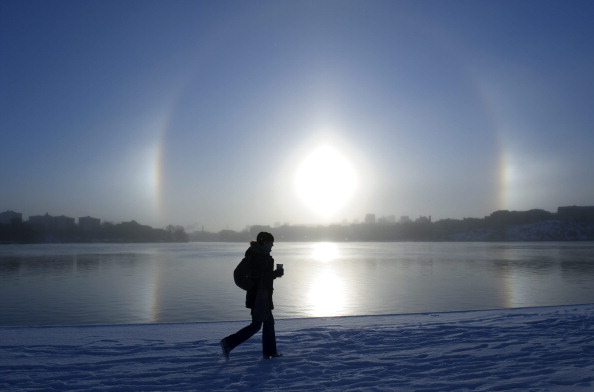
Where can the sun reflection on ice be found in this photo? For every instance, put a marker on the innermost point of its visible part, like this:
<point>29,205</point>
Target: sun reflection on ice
<point>327,294</point>
<point>325,251</point>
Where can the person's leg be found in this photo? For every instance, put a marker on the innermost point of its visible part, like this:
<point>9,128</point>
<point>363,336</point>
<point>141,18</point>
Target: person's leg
<point>243,334</point>
<point>269,337</point>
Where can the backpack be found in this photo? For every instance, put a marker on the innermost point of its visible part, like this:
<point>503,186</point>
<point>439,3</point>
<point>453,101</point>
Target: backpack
<point>243,274</point>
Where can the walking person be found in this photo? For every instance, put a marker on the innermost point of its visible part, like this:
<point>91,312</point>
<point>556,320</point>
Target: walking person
<point>258,298</point>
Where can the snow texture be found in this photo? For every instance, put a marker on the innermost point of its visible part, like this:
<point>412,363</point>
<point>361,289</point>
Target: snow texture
<point>530,349</point>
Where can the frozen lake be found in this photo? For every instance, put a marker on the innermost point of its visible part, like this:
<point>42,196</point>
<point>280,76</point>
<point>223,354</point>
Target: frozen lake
<point>152,283</point>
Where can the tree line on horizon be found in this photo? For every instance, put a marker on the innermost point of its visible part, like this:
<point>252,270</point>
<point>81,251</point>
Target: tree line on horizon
<point>20,232</point>
<point>496,223</point>
<point>422,229</point>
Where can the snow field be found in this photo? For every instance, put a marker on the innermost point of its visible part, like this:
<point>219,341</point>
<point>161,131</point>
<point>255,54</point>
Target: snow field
<point>530,349</point>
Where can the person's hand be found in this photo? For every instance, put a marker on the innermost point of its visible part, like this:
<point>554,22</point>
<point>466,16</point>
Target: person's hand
<point>278,273</point>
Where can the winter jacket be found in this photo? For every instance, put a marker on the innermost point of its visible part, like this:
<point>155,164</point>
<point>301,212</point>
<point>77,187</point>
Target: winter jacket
<point>262,266</point>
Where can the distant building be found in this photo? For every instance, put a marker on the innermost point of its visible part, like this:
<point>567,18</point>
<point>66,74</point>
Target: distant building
<point>405,219</point>
<point>50,223</point>
<point>7,217</point>
<point>88,223</point>
<point>424,219</point>
<point>370,218</point>
<point>64,223</point>
<point>42,222</point>
<point>387,219</point>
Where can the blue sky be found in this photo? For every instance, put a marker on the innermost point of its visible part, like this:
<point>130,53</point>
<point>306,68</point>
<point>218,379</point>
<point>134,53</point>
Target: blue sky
<point>203,113</point>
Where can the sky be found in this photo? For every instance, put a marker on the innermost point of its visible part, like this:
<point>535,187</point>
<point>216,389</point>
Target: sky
<point>224,114</point>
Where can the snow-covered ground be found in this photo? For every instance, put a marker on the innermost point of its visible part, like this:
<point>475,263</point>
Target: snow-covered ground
<point>530,349</point>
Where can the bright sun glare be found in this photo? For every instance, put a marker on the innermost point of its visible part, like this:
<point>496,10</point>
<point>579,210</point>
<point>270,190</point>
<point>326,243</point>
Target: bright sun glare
<point>325,180</point>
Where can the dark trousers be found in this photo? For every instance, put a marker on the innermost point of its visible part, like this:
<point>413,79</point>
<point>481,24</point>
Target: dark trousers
<point>268,335</point>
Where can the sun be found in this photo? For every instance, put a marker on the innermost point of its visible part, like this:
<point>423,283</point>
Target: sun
<point>325,180</point>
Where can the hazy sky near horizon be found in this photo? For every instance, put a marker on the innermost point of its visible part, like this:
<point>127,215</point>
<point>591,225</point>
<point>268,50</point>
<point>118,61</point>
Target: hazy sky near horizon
<point>222,114</point>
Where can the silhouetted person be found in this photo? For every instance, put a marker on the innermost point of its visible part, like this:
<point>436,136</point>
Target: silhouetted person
<point>258,298</point>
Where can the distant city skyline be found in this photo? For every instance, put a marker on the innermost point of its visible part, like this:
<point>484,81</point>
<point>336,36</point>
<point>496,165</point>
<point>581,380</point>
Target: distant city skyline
<point>222,114</point>
<point>388,218</point>
<point>569,223</point>
<point>573,212</point>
